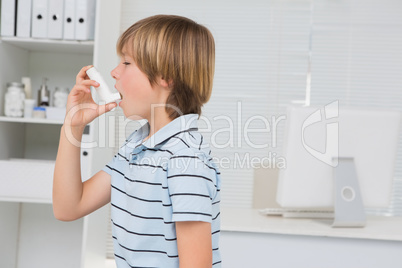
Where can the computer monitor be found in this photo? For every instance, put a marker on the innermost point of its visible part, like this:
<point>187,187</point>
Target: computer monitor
<point>317,137</point>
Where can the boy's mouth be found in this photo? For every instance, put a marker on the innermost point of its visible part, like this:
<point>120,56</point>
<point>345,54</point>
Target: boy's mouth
<point>121,96</point>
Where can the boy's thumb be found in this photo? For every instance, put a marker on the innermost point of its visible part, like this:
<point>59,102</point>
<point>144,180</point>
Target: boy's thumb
<point>106,108</point>
<point>111,106</point>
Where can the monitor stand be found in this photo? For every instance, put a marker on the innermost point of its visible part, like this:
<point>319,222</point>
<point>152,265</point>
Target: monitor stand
<point>348,205</point>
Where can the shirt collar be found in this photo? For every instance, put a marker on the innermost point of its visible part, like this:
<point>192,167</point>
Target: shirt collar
<point>180,124</point>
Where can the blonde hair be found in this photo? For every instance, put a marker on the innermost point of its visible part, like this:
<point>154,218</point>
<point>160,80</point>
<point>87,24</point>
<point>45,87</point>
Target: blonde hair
<point>178,49</point>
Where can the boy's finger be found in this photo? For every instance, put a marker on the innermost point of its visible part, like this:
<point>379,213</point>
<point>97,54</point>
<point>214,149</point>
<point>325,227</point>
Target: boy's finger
<point>90,83</point>
<point>82,73</point>
<point>106,108</point>
<point>78,88</point>
<point>111,106</point>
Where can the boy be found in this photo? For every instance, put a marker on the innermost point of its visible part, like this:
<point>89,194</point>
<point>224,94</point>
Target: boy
<point>163,186</point>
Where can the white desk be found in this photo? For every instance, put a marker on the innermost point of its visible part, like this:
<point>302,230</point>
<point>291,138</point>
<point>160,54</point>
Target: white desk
<point>251,240</point>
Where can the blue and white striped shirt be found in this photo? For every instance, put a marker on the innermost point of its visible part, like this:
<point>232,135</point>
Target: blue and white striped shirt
<point>170,177</point>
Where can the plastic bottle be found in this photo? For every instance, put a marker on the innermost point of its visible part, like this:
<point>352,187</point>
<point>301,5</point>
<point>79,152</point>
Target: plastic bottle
<point>60,97</point>
<point>27,87</point>
<point>14,100</point>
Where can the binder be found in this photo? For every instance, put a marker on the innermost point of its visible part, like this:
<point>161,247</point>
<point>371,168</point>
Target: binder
<point>24,12</point>
<point>55,19</point>
<point>85,20</point>
<point>69,20</point>
<point>39,18</point>
<point>8,17</point>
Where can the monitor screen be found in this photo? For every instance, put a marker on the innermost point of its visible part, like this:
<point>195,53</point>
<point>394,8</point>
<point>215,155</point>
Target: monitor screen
<point>314,139</point>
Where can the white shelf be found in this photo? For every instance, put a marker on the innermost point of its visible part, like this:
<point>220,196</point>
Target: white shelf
<point>25,180</point>
<point>49,45</point>
<point>31,120</point>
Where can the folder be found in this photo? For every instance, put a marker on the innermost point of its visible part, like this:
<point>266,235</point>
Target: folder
<point>8,17</point>
<point>39,18</point>
<point>55,19</point>
<point>69,20</point>
<point>85,20</point>
<point>24,12</point>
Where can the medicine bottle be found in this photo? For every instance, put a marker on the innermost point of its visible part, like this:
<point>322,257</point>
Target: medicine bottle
<point>14,100</point>
<point>60,97</point>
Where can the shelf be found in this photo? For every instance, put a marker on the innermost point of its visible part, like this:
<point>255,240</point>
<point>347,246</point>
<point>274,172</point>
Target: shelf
<point>49,45</point>
<point>31,120</point>
<point>25,180</point>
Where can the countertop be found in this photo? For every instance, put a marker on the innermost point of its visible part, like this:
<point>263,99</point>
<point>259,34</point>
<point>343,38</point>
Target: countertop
<point>250,220</point>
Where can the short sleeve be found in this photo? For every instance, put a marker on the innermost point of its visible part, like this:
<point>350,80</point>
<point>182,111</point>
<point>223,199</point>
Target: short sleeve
<point>192,187</point>
<point>109,167</point>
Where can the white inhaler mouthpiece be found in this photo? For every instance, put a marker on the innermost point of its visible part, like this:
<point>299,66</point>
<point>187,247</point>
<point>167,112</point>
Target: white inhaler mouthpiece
<point>103,90</point>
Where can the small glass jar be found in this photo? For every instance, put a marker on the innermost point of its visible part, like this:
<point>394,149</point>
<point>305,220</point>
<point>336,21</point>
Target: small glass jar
<point>60,97</point>
<point>14,100</point>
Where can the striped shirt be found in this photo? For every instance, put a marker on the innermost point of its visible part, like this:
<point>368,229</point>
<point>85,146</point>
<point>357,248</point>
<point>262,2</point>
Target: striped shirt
<point>168,178</point>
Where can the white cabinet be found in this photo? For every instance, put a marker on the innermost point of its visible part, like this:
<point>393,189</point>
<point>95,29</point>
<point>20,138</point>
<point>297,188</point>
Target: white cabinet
<point>30,236</point>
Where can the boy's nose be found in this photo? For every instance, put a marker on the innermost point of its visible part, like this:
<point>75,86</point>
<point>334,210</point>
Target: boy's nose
<point>114,73</point>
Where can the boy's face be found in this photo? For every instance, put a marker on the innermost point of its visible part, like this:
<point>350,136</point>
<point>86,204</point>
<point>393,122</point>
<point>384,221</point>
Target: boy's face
<point>135,88</point>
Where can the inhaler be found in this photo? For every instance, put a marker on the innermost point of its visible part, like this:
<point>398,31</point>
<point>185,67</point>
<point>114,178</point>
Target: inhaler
<point>103,90</point>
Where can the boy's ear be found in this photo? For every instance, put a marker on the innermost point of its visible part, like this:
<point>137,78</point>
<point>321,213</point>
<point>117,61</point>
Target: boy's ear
<point>166,83</point>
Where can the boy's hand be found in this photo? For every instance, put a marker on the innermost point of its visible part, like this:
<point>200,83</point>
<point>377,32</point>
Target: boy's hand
<point>81,108</point>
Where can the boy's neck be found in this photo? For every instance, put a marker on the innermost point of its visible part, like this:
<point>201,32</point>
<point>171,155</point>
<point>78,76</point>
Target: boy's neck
<point>159,120</point>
